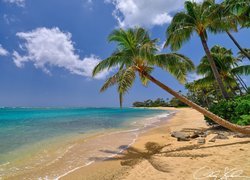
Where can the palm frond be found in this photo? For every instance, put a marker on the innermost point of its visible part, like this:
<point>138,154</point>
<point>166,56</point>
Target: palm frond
<point>242,70</point>
<point>114,60</point>
<point>125,82</point>
<point>180,30</point>
<point>111,81</point>
<point>176,64</point>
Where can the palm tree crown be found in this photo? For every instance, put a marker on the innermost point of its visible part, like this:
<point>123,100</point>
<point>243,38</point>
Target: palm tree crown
<point>240,9</point>
<point>136,52</point>
<point>196,18</point>
<point>228,68</point>
<point>225,63</point>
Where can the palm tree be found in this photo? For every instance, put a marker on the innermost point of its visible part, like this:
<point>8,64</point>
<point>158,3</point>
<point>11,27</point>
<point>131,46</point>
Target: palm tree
<point>234,13</point>
<point>202,94</point>
<point>198,18</point>
<point>135,54</point>
<point>227,66</point>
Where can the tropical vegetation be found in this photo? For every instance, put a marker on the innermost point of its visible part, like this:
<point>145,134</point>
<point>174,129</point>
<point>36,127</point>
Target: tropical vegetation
<point>160,102</point>
<point>236,110</point>
<point>136,55</point>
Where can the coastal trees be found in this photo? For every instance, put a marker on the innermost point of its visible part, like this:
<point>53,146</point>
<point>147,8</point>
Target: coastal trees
<point>228,68</point>
<point>136,54</point>
<point>225,63</point>
<point>160,102</point>
<point>203,94</point>
<point>198,18</point>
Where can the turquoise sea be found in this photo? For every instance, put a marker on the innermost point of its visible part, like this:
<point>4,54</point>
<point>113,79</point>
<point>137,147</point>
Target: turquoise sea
<point>29,133</point>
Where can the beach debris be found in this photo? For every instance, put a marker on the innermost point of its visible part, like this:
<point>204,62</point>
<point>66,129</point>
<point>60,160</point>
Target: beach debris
<point>239,135</point>
<point>212,140</point>
<point>201,141</point>
<point>181,136</point>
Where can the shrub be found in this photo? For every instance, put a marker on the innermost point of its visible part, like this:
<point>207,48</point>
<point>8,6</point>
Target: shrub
<point>236,110</point>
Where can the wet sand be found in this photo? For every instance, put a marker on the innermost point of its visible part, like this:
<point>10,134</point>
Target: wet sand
<point>156,155</point>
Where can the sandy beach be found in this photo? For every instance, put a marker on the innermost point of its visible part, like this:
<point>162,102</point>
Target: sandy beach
<point>157,155</point>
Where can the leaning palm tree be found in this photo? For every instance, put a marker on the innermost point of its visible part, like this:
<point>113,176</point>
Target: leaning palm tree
<point>136,54</point>
<point>197,18</point>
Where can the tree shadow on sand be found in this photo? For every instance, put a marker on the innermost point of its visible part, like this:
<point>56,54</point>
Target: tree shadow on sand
<point>132,156</point>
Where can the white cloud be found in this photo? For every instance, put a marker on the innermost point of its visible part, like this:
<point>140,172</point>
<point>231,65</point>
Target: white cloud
<point>3,52</point>
<point>193,76</point>
<point>47,48</point>
<point>20,3</point>
<point>147,13</point>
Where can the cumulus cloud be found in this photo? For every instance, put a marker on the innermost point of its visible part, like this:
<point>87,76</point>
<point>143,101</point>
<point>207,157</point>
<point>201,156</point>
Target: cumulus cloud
<point>3,52</point>
<point>20,3</point>
<point>47,48</point>
<point>147,13</point>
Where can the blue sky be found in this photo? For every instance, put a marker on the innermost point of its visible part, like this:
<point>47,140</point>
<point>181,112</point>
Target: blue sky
<point>49,47</point>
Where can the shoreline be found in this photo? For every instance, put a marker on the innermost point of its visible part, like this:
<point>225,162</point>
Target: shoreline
<point>165,121</point>
<point>168,118</point>
<point>78,173</point>
<point>137,163</point>
<point>81,150</point>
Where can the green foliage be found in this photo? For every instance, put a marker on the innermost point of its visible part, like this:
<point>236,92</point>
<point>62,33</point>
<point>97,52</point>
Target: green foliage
<point>174,102</point>
<point>235,110</point>
<point>240,9</point>
<point>150,103</point>
<point>203,94</point>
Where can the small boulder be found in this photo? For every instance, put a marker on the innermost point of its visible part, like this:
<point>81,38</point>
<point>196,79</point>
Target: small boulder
<point>180,136</point>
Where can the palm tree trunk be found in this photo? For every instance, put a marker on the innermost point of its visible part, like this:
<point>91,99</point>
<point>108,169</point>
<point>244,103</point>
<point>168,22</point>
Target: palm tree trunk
<point>238,45</point>
<point>215,118</point>
<point>241,82</point>
<point>205,97</point>
<point>238,83</point>
<point>214,68</point>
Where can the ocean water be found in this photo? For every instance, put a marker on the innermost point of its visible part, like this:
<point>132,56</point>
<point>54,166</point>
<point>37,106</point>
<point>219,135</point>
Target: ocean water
<point>32,137</point>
